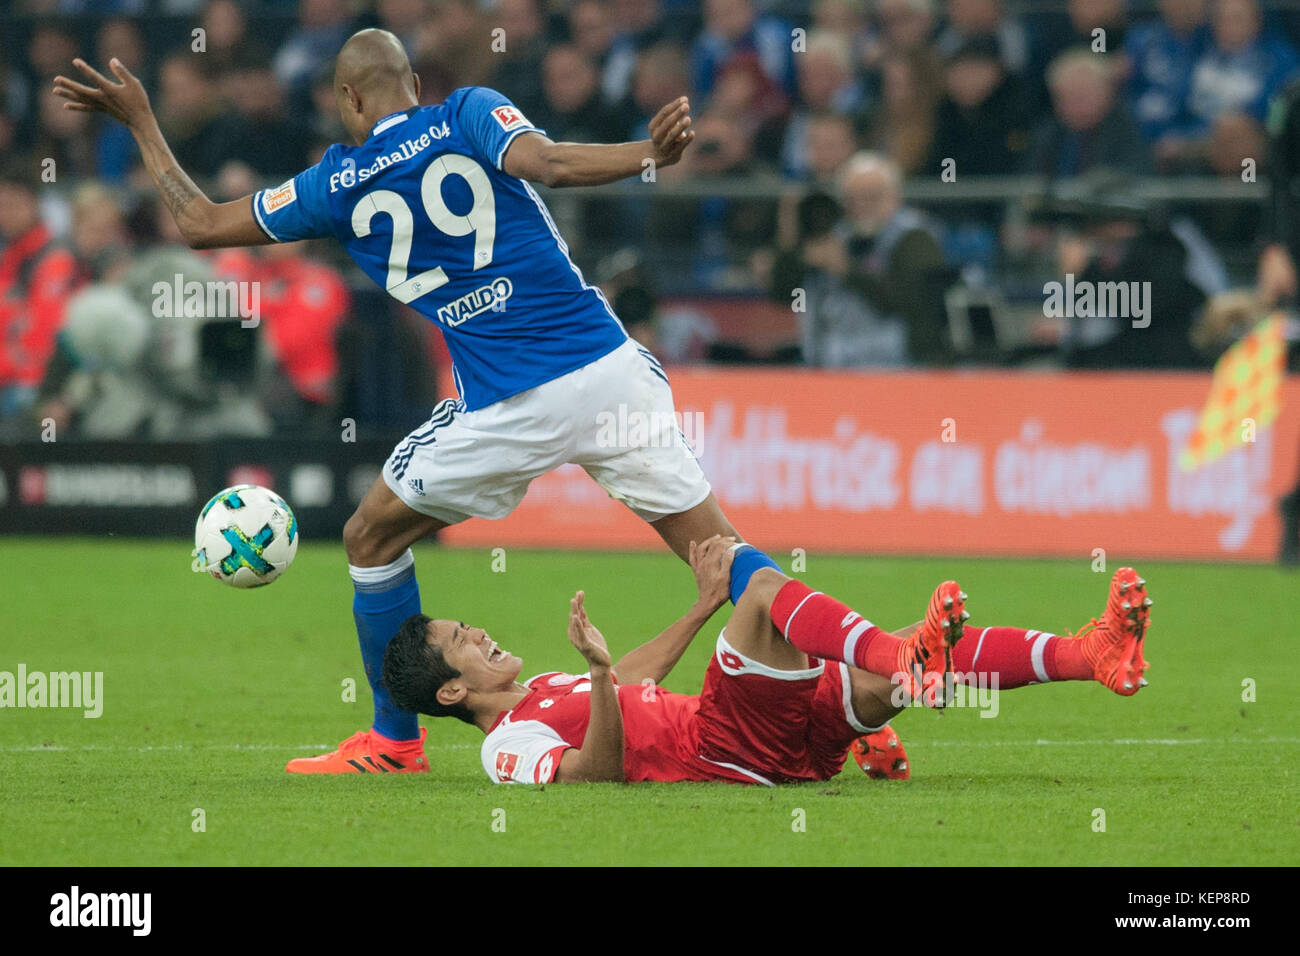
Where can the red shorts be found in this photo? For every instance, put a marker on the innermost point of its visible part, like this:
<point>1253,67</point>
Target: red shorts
<point>762,725</point>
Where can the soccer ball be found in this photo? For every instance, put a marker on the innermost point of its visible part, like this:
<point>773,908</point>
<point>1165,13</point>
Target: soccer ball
<point>246,536</point>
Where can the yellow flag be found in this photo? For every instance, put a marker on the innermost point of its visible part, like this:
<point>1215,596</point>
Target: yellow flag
<point>1245,395</point>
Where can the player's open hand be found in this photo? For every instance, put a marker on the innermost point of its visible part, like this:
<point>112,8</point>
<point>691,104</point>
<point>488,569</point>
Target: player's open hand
<point>126,100</point>
<point>670,131</point>
<point>711,562</point>
<point>584,636</point>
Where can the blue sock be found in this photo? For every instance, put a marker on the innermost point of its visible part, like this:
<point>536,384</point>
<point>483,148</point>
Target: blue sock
<point>748,560</point>
<point>385,597</point>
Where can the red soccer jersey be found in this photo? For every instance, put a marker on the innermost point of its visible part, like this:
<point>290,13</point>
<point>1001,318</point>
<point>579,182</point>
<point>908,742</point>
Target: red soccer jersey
<point>751,723</point>
<point>526,742</point>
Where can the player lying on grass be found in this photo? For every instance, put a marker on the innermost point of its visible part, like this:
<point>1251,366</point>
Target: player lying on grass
<point>796,678</point>
<point>434,203</point>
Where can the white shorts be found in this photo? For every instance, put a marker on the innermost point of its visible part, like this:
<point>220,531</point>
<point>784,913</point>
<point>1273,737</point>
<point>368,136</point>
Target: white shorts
<point>614,417</point>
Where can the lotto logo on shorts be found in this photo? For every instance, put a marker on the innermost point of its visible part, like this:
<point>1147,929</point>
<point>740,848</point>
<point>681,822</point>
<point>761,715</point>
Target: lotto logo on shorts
<point>509,117</point>
<point>506,765</point>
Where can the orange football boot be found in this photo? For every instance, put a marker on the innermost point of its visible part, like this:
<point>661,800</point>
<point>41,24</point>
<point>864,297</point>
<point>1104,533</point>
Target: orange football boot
<point>367,752</point>
<point>1113,645</point>
<point>881,756</point>
<point>926,656</point>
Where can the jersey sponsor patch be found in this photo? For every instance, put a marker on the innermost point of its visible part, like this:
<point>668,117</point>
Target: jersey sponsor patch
<point>507,763</point>
<point>509,118</point>
<point>273,199</point>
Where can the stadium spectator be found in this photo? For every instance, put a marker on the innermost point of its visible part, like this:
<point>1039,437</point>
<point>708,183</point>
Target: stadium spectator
<point>36,277</point>
<point>114,149</point>
<point>572,108</point>
<point>1242,70</point>
<point>451,51</point>
<point>128,366</point>
<point>225,33</point>
<point>868,276</point>
<point>716,235</point>
<point>1152,262</point>
<point>829,143</point>
<point>638,26</point>
<point>591,29</point>
<point>99,236</point>
<point>744,93</point>
<point>1081,23</point>
<point>64,137</point>
<point>200,132</point>
<point>573,111</point>
<point>827,84</point>
<point>967,19</point>
<point>1235,139</point>
<point>302,304</point>
<point>981,124</point>
<point>517,69</point>
<point>1276,271</point>
<point>15,99</point>
<point>1237,142</point>
<point>905,27</point>
<point>322,27</point>
<point>122,38</point>
<point>902,123</point>
<point>405,19</point>
<point>267,136</point>
<point>733,27</point>
<point>661,74</point>
<point>1090,127</point>
<point>1089,16</point>
<point>847,19</point>
<point>326,127</point>
<point>51,46</point>
<point>1161,55</point>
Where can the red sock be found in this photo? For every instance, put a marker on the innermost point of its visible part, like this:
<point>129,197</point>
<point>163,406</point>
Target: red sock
<point>1019,657</point>
<point>821,626</point>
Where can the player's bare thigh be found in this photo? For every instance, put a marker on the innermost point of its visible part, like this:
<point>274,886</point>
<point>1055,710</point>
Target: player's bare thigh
<point>382,527</point>
<point>696,524</point>
<point>751,632</point>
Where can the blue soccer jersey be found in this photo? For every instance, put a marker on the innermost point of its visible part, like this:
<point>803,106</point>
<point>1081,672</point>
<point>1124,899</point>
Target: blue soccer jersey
<point>426,210</point>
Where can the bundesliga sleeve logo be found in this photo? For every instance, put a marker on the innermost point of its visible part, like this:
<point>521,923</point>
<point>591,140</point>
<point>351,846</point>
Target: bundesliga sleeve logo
<point>509,117</point>
<point>506,765</point>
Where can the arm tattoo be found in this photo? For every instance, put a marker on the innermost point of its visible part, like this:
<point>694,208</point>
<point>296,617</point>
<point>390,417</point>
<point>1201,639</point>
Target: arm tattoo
<point>178,191</point>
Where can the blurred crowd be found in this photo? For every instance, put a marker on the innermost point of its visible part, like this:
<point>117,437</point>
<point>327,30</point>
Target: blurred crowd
<point>812,118</point>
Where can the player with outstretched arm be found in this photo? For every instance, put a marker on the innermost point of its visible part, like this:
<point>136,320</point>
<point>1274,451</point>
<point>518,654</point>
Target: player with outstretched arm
<point>435,204</point>
<point>796,677</point>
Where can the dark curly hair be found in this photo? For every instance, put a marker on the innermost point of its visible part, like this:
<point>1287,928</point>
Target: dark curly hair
<point>414,670</point>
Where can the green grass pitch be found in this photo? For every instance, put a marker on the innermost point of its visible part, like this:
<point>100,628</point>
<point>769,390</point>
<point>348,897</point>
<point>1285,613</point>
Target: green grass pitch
<point>208,691</point>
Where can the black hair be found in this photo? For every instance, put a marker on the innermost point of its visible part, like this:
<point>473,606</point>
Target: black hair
<point>415,670</point>
<point>21,172</point>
